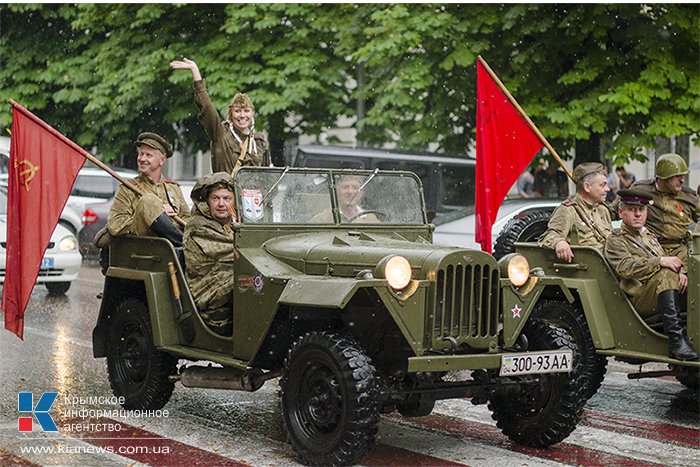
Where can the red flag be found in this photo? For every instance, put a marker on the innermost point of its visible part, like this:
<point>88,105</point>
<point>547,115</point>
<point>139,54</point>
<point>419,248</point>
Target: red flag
<point>505,145</point>
<point>43,168</point>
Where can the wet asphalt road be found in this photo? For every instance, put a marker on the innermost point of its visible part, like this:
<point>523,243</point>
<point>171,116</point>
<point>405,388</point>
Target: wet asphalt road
<point>642,422</point>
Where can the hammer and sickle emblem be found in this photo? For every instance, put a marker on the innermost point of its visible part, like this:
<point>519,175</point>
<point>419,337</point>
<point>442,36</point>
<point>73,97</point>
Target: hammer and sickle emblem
<point>486,112</point>
<point>27,173</point>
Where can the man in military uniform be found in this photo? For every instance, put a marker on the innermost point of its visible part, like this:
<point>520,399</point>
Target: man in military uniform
<point>675,207</point>
<point>152,213</point>
<point>234,142</point>
<point>209,251</point>
<point>652,279</point>
<point>349,196</point>
<point>582,220</point>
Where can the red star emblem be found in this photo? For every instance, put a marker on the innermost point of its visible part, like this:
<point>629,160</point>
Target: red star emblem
<point>516,311</point>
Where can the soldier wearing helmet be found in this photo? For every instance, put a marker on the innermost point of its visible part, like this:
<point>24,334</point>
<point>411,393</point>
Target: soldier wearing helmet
<point>674,206</point>
<point>209,251</point>
<point>234,142</point>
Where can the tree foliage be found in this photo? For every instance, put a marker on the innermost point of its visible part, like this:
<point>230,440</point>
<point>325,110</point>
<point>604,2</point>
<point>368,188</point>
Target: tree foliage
<point>625,73</point>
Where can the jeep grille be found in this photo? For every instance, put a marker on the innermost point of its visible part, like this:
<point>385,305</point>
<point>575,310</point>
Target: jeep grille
<point>466,302</point>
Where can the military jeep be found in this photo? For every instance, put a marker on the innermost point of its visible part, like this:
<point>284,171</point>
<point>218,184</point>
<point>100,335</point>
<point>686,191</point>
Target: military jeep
<point>584,298</point>
<point>358,316</point>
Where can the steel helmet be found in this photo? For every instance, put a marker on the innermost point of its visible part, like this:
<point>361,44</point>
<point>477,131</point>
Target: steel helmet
<point>670,165</point>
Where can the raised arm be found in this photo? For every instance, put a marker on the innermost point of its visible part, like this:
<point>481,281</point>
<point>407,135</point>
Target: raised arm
<point>208,115</point>
<point>187,64</point>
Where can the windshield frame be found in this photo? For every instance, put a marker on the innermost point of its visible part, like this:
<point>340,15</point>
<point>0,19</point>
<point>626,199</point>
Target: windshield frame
<point>332,175</point>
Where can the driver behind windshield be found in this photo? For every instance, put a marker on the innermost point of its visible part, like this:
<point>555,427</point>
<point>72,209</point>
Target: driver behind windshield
<point>349,195</point>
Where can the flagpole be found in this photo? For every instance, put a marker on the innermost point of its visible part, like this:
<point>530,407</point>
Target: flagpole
<point>84,153</point>
<point>525,117</point>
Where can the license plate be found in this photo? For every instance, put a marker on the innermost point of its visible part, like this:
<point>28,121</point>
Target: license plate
<point>47,263</point>
<point>554,361</point>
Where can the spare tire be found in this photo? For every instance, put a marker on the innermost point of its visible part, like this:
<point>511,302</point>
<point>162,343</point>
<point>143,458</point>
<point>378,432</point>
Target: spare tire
<point>525,227</point>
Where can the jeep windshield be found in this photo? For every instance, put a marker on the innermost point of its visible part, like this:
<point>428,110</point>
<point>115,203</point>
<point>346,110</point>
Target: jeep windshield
<point>303,196</point>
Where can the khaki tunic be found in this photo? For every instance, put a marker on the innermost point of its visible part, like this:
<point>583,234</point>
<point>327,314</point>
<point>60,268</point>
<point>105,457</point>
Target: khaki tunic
<point>209,258</point>
<point>566,224</point>
<point>670,217</point>
<point>225,149</point>
<point>636,258</point>
<point>131,214</point>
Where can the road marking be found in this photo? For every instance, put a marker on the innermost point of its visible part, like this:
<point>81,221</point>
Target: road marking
<point>490,435</point>
<point>643,428</point>
<point>146,447</point>
<point>7,458</point>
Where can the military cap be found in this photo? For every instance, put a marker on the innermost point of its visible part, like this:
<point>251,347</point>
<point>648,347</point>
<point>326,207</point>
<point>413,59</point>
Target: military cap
<point>634,196</point>
<point>241,101</point>
<point>587,168</point>
<point>156,142</point>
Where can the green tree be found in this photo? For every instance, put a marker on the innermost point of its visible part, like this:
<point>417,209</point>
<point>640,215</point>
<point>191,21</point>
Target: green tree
<point>621,75</point>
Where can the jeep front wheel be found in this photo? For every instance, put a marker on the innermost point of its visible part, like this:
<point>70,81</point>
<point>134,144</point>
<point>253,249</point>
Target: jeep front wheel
<point>550,405</point>
<point>589,364</point>
<point>137,371</point>
<point>330,399</point>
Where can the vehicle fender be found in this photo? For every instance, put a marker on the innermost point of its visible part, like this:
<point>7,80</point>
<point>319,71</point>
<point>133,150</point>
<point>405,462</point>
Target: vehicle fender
<point>154,287</point>
<point>336,292</point>
<point>323,291</point>
<point>518,304</point>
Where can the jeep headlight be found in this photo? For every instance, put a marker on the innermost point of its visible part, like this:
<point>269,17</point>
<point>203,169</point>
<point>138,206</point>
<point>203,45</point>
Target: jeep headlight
<point>67,244</point>
<point>396,270</point>
<point>516,267</point>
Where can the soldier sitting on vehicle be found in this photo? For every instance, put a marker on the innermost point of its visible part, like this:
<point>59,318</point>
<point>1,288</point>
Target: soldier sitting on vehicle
<point>162,200</point>
<point>209,251</point>
<point>675,207</point>
<point>582,220</point>
<point>653,281</point>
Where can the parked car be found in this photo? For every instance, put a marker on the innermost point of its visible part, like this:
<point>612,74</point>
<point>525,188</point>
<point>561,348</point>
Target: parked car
<point>358,316</point>
<point>61,262</point>
<point>95,218</point>
<point>534,214</point>
<point>4,154</point>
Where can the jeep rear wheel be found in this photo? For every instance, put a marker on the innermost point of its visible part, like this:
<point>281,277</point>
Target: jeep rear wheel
<point>589,364</point>
<point>550,405</point>
<point>330,399</point>
<point>521,228</point>
<point>137,371</point>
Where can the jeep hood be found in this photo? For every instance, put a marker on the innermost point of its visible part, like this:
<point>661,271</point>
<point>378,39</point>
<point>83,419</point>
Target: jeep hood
<point>347,253</point>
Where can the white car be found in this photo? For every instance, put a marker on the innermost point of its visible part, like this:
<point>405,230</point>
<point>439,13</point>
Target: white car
<point>94,185</point>
<point>61,262</point>
<point>460,231</point>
